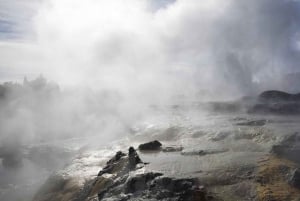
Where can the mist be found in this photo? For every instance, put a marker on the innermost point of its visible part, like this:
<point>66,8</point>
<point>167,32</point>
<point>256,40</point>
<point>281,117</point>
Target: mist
<point>108,61</point>
<point>85,69</point>
<point>162,47</point>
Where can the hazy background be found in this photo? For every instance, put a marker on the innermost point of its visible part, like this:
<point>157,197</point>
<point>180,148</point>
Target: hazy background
<point>158,46</point>
<point>91,68</point>
<point>104,62</point>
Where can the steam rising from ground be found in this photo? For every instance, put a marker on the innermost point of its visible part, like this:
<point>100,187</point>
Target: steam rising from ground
<point>160,48</point>
<point>113,58</point>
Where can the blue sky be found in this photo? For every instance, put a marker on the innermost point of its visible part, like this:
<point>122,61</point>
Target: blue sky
<point>15,17</point>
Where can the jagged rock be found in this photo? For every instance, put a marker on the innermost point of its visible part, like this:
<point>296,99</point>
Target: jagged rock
<point>150,146</point>
<point>113,164</point>
<point>131,184</point>
<point>133,158</point>
<point>140,182</point>
<point>116,158</point>
<point>181,189</point>
<point>295,178</point>
<point>125,182</point>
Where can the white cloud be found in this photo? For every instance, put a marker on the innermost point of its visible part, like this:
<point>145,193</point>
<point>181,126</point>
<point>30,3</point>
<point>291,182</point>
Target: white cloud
<point>180,47</point>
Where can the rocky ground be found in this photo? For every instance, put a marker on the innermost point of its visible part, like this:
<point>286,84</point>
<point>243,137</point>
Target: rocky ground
<point>246,158</point>
<point>181,154</point>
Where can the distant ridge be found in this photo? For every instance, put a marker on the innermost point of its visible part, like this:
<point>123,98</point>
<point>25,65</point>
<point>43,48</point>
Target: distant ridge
<point>274,95</point>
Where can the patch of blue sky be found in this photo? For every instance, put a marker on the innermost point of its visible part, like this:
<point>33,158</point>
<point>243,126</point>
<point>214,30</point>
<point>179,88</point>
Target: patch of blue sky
<point>7,30</point>
<point>159,4</point>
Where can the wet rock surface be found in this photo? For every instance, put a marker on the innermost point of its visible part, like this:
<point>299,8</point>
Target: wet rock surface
<point>278,175</point>
<point>294,179</point>
<point>288,148</point>
<point>112,164</point>
<point>118,180</point>
<point>215,160</point>
<point>135,185</point>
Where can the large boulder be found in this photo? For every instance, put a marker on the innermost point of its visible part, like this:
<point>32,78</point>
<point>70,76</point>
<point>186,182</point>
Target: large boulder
<point>150,146</point>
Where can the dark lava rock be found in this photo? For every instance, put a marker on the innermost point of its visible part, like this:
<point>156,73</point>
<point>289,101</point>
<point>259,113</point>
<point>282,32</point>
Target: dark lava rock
<point>140,182</point>
<point>131,185</point>
<point>116,158</point>
<point>125,183</point>
<point>295,178</point>
<point>133,158</point>
<point>112,164</point>
<point>153,186</point>
<point>150,146</point>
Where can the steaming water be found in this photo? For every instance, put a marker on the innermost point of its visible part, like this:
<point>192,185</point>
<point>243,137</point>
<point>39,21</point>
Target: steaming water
<point>226,144</point>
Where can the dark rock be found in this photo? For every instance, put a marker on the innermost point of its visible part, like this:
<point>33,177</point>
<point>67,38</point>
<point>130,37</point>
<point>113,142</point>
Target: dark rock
<point>131,185</point>
<point>150,146</point>
<point>133,158</point>
<point>116,158</point>
<point>113,164</point>
<point>295,178</point>
<point>140,182</point>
